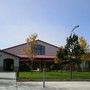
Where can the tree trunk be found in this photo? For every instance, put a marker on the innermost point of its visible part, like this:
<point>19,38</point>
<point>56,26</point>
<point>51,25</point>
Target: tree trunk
<point>71,69</point>
<point>78,67</point>
<point>31,65</point>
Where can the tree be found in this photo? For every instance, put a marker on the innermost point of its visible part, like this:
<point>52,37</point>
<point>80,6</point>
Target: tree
<point>85,47</point>
<point>74,51</point>
<point>58,58</point>
<point>30,47</point>
<point>83,44</point>
<point>61,57</point>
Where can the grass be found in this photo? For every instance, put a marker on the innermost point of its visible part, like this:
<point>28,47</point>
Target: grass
<point>54,75</point>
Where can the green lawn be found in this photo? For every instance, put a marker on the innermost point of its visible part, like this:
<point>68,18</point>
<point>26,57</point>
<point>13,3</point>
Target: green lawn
<point>54,75</point>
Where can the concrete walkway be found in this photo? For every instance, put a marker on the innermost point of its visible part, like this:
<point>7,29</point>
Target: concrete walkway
<point>49,86</point>
<point>69,85</point>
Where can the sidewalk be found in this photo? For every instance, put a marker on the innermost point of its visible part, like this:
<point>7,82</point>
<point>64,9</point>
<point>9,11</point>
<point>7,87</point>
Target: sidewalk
<point>63,85</point>
<point>58,85</point>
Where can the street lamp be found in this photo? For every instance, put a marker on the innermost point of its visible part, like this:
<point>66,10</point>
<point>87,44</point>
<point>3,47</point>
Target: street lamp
<point>44,75</point>
<point>74,29</point>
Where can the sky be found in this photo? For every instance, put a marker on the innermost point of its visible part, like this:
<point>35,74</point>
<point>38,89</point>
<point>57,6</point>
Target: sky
<point>52,20</point>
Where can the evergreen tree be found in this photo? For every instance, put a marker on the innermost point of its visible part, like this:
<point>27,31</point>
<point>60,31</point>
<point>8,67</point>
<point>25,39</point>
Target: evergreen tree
<point>71,53</point>
<point>74,51</point>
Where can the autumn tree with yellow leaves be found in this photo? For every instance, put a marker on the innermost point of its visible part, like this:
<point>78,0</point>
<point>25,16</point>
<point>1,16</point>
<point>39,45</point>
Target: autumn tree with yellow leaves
<point>30,51</point>
<point>85,47</point>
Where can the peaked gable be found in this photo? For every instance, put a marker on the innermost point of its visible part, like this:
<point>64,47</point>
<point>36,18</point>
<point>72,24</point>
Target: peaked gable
<point>18,49</point>
<point>7,53</point>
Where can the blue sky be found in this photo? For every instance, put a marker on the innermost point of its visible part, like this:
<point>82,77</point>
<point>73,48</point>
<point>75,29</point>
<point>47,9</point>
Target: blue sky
<point>53,20</point>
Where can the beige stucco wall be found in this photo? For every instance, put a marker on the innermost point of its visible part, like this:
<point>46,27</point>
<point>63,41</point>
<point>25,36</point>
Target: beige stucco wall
<point>49,49</point>
<point>18,50</point>
<point>8,56</point>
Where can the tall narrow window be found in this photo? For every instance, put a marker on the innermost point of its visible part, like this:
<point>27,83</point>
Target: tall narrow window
<point>40,49</point>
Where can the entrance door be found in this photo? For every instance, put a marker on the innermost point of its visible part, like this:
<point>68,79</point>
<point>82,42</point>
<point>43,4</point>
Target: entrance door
<point>8,65</point>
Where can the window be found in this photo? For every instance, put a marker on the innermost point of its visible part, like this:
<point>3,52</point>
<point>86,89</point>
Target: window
<point>40,49</point>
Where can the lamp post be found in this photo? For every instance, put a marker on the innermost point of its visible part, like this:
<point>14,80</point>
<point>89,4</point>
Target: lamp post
<point>75,27</point>
<point>44,75</point>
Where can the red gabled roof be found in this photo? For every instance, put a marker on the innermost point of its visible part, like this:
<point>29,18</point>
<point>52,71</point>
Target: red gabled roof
<point>44,56</point>
<point>38,56</point>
